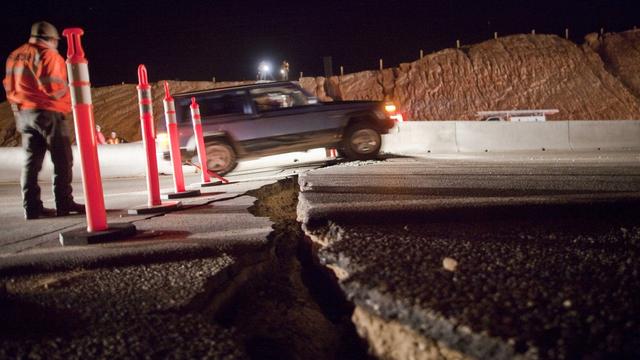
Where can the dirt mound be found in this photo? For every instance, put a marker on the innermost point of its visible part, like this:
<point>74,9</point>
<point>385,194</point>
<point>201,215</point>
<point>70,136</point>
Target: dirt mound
<point>621,55</point>
<point>513,72</point>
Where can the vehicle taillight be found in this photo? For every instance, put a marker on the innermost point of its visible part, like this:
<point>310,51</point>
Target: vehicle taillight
<point>393,112</point>
<point>390,107</point>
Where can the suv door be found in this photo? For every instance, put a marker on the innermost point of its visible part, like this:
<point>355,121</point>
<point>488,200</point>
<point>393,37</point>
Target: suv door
<point>287,121</point>
<point>220,112</point>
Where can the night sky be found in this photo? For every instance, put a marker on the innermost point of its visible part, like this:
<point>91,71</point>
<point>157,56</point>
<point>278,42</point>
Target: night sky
<point>197,40</point>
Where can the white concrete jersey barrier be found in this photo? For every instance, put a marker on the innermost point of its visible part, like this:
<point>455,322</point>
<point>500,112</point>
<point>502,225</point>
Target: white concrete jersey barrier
<point>122,160</point>
<point>129,160</point>
<point>601,135</point>
<point>420,137</point>
<point>412,137</point>
<point>479,136</point>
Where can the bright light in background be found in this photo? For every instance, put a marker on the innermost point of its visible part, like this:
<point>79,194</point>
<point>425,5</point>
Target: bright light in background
<point>264,71</point>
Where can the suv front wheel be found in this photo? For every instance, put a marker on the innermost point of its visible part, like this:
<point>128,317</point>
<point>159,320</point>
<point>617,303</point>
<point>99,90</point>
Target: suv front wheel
<point>221,158</point>
<point>361,142</point>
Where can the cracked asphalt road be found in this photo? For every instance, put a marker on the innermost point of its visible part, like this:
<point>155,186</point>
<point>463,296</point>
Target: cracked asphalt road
<point>151,296</point>
<point>458,253</point>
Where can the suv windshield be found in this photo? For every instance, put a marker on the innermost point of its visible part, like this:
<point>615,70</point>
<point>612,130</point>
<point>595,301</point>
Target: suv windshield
<point>280,97</point>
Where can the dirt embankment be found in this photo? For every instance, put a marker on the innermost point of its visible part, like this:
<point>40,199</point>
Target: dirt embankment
<point>598,80</point>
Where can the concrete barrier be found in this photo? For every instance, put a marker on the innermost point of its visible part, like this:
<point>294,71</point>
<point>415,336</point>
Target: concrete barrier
<point>421,137</point>
<point>601,135</point>
<point>11,160</point>
<point>127,160</point>
<point>121,160</point>
<point>412,137</point>
<point>476,136</point>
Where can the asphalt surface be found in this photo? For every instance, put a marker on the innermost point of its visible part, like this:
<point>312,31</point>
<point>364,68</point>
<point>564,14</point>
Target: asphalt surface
<point>494,257</point>
<point>35,244</point>
<point>546,250</point>
<point>141,311</point>
<point>150,296</point>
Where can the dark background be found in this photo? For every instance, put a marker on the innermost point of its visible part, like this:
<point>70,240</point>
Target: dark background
<point>197,40</point>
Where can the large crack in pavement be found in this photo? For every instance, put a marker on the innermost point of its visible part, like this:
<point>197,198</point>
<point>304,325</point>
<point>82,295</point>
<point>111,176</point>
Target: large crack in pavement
<point>146,303</point>
<point>271,301</point>
<point>296,312</point>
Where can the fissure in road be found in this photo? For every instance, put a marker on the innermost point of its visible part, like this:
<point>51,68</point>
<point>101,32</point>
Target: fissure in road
<point>296,311</point>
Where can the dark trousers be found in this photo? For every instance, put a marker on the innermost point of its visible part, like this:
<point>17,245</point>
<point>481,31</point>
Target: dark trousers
<point>44,130</point>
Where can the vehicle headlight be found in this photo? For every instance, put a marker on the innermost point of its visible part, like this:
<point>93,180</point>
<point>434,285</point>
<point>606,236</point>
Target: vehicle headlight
<point>162,141</point>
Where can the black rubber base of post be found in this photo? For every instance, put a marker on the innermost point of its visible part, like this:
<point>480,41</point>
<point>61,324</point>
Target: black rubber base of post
<point>164,207</point>
<point>83,237</point>
<point>212,183</point>
<point>180,195</point>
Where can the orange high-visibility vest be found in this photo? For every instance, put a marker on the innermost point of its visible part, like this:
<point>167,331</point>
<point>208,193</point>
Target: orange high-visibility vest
<point>36,78</point>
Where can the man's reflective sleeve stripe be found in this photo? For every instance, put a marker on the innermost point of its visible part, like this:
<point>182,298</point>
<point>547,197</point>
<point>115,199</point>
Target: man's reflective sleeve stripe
<point>52,80</point>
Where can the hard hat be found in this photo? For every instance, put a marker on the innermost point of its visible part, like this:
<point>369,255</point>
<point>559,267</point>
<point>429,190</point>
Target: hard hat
<point>43,29</point>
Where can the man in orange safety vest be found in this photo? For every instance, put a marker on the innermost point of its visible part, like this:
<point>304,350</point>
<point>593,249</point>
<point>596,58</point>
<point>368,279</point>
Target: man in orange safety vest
<point>36,87</point>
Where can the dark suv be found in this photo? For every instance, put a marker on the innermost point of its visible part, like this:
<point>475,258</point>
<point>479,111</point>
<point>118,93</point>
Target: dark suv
<point>262,119</point>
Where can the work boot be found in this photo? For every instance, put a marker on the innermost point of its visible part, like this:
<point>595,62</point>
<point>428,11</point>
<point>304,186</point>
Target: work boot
<point>43,212</point>
<point>72,207</point>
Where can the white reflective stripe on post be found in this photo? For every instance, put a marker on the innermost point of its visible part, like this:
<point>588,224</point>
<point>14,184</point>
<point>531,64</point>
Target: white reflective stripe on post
<point>81,95</point>
<point>79,84</point>
<point>78,72</point>
<point>170,111</point>
<point>195,115</point>
<point>146,109</point>
<point>144,93</point>
<point>145,106</point>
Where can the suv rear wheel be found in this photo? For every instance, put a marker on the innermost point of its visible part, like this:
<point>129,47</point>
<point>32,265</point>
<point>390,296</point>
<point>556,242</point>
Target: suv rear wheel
<point>361,142</point>
<point>221,158</point>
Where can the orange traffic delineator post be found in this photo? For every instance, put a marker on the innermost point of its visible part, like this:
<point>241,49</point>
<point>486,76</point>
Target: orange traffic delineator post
<point>97,228</point>
<point>202,151</point>
<point>145,101</point>
<point>174,149</point>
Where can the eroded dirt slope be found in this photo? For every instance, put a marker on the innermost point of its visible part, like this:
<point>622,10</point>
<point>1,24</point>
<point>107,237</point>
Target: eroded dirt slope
<point>621,54</point>
<point>513,72</point>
